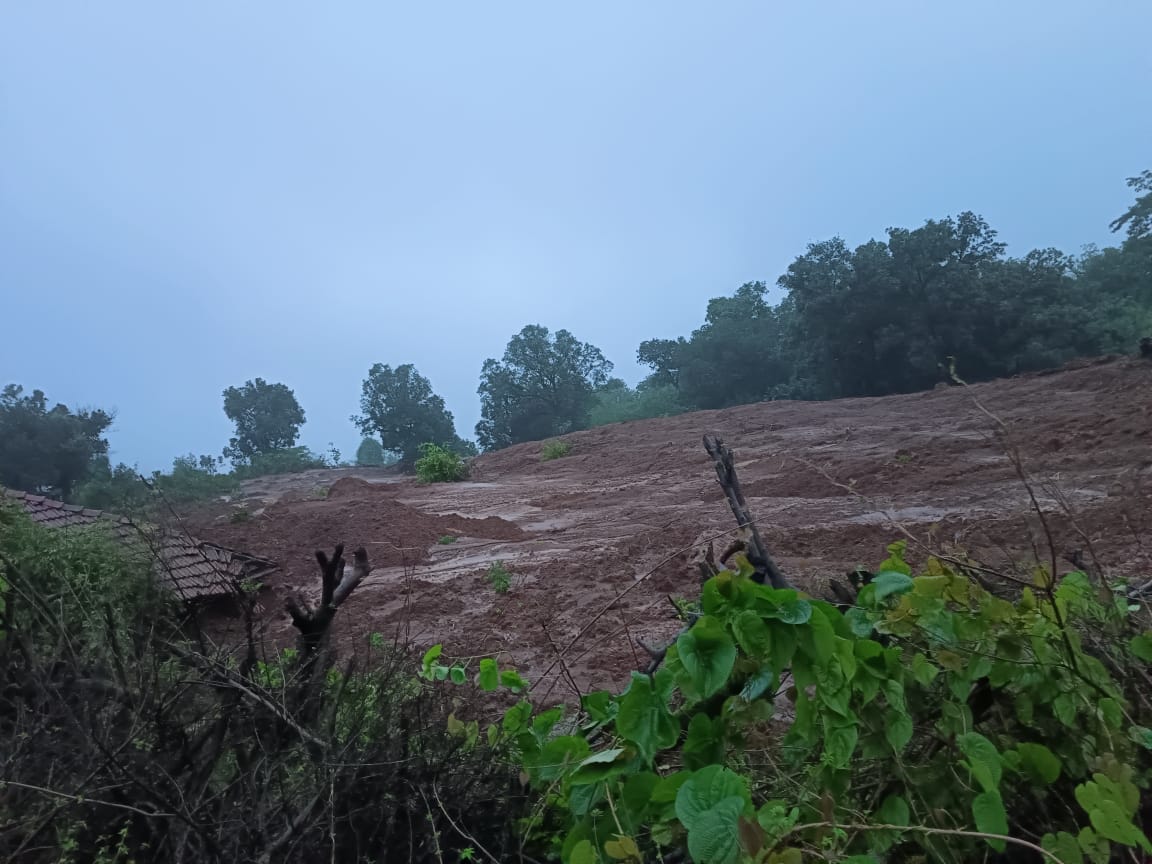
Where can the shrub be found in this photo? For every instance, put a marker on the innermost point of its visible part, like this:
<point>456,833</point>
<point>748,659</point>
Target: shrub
<point>370,452</point>
<point>290,460</point>
<point>112,722</point>
<point>930,720</point>
<point>554,450</point>
<point>446,540</point>
<point>439,465</point>
<point>499,578</point>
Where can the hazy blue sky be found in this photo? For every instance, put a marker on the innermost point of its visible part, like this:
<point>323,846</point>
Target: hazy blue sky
<point>193,194</point>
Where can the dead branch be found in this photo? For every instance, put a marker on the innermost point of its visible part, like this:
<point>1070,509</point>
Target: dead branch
<point>758,556</point>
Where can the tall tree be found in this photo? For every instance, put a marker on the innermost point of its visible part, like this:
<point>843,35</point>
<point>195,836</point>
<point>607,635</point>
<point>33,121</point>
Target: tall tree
<point>370,452</point>
<point>398,407</point>
<point>543,386</point>
<point>267,417</point>
<point>47,449</point>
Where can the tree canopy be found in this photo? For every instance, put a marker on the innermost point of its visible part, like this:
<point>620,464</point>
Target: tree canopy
<point>544,386</point>
<point>399,407</point>
<point>892,315</point>
<point>47,449</point>
<point>370,452</point>
<point>267,418</point>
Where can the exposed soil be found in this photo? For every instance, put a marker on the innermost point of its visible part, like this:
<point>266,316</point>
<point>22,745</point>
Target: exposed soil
<point>828,482</point>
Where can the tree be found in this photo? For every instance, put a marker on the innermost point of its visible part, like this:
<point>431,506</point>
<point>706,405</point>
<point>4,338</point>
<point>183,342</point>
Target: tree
<point>47,450</point>
<point>1138,218</point>
<point>370,452</point>
<point>544,386</point>
<point>398,406</point>
<point>267,418</point>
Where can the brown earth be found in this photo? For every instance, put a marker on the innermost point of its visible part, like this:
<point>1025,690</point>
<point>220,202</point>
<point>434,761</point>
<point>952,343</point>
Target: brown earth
<point>830,483</point>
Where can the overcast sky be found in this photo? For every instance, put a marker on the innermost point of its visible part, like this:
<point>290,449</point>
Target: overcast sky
<point>194,194</point>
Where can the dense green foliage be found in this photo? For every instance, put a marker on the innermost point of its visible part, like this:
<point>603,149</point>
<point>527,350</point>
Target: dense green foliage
<point>544,386</point>
<point>47,448</point>
<point>616,402</point>
<point>439,465</point>
<point>933,719</point>
<point>891,315</point>
<point>554,450</point>
<point>399,407</point>
<point>267,418</point>
<point>370,452</point>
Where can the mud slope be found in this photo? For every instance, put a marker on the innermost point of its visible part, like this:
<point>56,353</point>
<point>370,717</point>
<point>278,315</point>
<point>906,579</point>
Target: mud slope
<point>826,480</point>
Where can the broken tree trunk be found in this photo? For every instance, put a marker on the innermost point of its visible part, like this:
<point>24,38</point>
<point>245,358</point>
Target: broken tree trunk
<point>758,555</point>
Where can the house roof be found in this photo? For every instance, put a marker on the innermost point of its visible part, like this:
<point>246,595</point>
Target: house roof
<point>192,568</point>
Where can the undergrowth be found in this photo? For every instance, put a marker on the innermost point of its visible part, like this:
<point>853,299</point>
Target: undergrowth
<point>439,465</point>
<point>555,450</point>
<point>932,720</point>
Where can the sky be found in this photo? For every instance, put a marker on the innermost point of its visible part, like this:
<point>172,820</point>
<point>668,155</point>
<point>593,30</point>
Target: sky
<point>196,194</point>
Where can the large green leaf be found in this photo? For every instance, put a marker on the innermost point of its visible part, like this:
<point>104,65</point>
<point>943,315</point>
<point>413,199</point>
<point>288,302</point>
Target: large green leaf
<point>891,582</point>
<point>818,639</point>
<point>840,744</point>
<point>489,676</point>
<point>715,837</point>
<point>704,744</point>
<point>1064,846</point>
<point>983,759</point>
<point>758,684</point>
<point>1039,763</point>
<point>898,731</point>
<point>600,766</point>
<point>1141,646</point>
<point>894,811</point>
<point>557,756</point>
<point>707,653</point>
<point>988,811</point>
<point>706,789</point>
<point>752,634</point>
<point>794,611</point>
<point>644,718</point>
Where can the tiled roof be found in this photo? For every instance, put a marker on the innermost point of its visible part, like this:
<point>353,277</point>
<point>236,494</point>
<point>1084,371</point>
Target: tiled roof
<point>191,568</point>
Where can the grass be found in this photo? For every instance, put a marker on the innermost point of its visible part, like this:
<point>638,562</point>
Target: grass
<point>554,450</point>
<point>446,540</point>
<point>499,578</point>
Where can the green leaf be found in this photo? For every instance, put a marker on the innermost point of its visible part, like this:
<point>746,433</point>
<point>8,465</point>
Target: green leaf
<point>636,797</point>
<point>794,611</point>
<point>511,679</point>
<point>558,755</point>
<point>988,811</point>
<point>783,645</point>
<point>622,848</point>
<point>891,582</point>
<point>430,657</point>
<point>898,731</point>
<point>859,622</point>
<point>600,766</point>
<point>457,674</point>
<point>1039,763</point>
<point>752,634</point>
<point>714,838</point>
<point>1111,711</point>
<point>705,742</point>
<point>894,811</point>
<point>1141,646</point>
<point>543,722</point>
<point>1064,846</point>
<point>706,789</point>
<point>489,676</point>
<point>644,718</point>
<point>923,671</point>
<point>839,744</point>
<point>758,684</point>
<point>708,654</point>
<point>599,705</point>
<point>818,639</point>
<point>440,673</point>
<point>583,853</point>
<point>983,759</point>
<point>895,560</point>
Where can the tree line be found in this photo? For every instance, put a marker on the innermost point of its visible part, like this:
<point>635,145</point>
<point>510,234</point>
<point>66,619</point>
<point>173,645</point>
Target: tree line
<point>890,316</point>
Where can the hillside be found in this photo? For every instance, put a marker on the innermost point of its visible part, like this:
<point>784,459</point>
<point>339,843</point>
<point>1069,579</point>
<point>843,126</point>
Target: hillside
<point>631,499</point>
